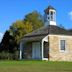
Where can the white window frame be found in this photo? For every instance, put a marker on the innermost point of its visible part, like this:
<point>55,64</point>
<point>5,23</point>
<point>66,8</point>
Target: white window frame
<point>60,45</point>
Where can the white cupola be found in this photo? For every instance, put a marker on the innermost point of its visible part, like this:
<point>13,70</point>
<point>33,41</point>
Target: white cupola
<point>50,16</point>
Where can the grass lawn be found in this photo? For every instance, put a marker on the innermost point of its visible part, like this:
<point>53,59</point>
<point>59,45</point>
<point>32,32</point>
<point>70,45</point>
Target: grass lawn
<point>35,66</point>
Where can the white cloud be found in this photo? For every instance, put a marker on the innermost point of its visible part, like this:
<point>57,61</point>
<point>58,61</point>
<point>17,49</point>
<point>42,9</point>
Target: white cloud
<point>1,35</point>
<point>70,14</point>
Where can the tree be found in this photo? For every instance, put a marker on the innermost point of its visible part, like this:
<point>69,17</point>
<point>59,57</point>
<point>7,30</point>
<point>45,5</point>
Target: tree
<point>8,47</point>
<point>35,18</point>
<point>8,43</point>
<point>5,41</point>
<point>20,28</point>
<point>31,22</point>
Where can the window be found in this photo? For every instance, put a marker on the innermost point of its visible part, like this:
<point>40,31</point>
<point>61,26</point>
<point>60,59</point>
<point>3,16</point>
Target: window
<point>62,45</point>
<point>51,18</point>
<point>48,18</point>
<point>51,13</point>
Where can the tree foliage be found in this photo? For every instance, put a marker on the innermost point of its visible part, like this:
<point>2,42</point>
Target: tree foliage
<point>8,43</point>
<point>20,28</point>
<point>32,21</point>
<point>12,37</point>
<point>35,18</point>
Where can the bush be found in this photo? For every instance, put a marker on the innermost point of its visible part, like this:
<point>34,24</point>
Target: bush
<point>9,56</point>
<point>16,55</point>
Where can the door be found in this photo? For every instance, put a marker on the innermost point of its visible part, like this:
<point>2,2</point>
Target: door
<point>36,50</point>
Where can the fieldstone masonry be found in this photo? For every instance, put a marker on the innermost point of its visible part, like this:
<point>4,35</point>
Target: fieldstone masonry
<point>55,53</point>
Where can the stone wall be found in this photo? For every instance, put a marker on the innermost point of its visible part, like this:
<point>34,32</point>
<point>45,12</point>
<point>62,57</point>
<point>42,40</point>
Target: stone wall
<point>55,54</point>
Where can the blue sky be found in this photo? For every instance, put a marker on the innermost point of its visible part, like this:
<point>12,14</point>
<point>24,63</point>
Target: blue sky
<point>12,10</point>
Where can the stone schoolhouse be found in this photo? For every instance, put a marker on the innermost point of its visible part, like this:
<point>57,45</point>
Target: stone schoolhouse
<point>50,42</point>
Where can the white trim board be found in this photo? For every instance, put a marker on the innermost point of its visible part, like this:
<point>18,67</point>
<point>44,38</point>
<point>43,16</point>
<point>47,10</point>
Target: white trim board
<point>66,36</point>
<point>46,40</point>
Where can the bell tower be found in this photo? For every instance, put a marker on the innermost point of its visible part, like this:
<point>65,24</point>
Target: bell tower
<point>50,16</point>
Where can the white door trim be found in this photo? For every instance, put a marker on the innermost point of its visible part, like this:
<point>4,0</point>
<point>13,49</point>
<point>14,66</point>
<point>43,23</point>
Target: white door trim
<point>46,40</point>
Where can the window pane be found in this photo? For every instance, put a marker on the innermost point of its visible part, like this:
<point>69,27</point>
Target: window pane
<point>62,44</point>
<point>51,18</point>
<point>51,13</point>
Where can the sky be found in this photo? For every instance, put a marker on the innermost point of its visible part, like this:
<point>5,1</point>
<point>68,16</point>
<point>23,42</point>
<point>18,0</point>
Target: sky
<point>1,35</point>
<point>12,10</point>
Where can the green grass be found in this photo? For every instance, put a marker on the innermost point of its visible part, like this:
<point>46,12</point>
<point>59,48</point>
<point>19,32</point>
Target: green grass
<point>35,66</point>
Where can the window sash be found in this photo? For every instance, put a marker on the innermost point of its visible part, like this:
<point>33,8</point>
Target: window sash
<point>62,45</point>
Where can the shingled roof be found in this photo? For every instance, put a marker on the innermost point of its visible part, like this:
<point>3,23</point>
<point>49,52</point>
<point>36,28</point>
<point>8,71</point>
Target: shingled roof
<point>48,8</point>
<point>42,32</point>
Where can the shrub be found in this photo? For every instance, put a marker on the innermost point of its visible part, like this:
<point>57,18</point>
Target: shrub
<point>9,56</point>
